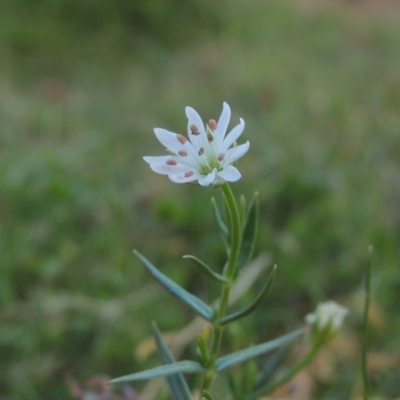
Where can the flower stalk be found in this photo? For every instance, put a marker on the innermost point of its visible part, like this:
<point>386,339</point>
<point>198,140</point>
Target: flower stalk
<point>229,273</point>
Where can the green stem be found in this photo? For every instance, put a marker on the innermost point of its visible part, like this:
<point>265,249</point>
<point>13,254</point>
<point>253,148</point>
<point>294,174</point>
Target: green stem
<point>286,378</point>
<point>218,329</point>
<point>365,325</point>
<point>236,234</point>
<point>229,273</point>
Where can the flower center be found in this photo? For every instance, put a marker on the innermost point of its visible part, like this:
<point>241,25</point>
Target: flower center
<point>208,164</point>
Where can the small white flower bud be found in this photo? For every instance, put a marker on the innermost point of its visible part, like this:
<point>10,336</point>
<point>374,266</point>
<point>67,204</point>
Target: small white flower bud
<point>326,321</point>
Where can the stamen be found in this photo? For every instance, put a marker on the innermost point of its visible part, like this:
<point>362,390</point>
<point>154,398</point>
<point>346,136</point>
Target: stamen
<point>183,153</point>
<point>201,151</point>
<point>212,123</point>
<point>195,130</point>
<point>210,137</point>
<point>181,138</point>
<point>189,174</point>
<point>171,162</point>
<point>221,157</point>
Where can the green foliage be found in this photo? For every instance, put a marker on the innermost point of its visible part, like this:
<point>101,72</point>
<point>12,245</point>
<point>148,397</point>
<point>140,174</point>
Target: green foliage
<point>207,270</point>
<point>176,290</point>
<point>268,371</point>
<point>251,352</point>
<point>256,302</point>
<point>206,395</point>
<point>242,237</point>
<point>53,29</point>
<point>177,383</point>
<point>250,230</point>
<point>178,367</point>
<point>223,230</point>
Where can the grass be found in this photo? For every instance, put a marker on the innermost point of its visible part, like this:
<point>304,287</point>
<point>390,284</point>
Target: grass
<point>320,93</point>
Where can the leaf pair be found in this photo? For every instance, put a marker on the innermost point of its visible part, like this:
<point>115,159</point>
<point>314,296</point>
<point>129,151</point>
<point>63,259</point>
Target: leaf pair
<point>176,368</point>
<point>256,302</point>
<point>207,270</point>
<point>171,369</point>
<point>192,301</point>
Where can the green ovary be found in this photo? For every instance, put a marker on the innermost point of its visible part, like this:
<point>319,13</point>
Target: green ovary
<point>212,163</point>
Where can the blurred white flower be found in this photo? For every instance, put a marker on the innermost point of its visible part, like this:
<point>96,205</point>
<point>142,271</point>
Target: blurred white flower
<point>326,321</point>
<point>207,156</point>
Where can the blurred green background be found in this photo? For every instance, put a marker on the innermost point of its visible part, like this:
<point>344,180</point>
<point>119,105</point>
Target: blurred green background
<point>83,83</point>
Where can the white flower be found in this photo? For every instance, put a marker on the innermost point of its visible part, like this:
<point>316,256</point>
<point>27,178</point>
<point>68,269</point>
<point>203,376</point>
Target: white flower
<point>207,156</point>
<point>326,321</point>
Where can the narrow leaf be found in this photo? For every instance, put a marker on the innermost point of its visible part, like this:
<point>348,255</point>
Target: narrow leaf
<point>203,349</point>
<point>192,301</point>
<point>248,373</point>
<point>223,230</point>
<point>257,301</point>
<point>270,370</point>
<point>366,322</point>
<point>243,355</point>
<point>177,383</point>
<point>227,215</point>
<point>232,384</point>
<point>207,395</point>
<point>178,367</point>
<point>249,233</point>
<point>242,209</point>
<point>207,270</point>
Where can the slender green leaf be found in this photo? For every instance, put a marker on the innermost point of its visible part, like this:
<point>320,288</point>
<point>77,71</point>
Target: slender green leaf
<point>270,370</point>
<point>257,301</point>
<point>242,209</point>
<point>248,374</point>
<point>178,367</point>
<point>243,355</point>
<point>202,350</point>
<point>206,269</point>
<point>192,301</point>
<point>207,395</point>
<point>223,230</point>
<point>232,384</point>
<point>249,233</point>
<point>227,215</point>
<point>177,383</point>
<point>287,376</point>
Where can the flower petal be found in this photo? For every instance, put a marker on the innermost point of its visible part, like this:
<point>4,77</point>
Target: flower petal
<point>235,153</point>
<point>165,169</point>
<point>168,139</point>
<point>194,119</point>
<point>208,179</point>
<point>223,123</point>
<point>232,136</point>
<point>183,178</point>
<point>156,159</point>
<point>230,174</point>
